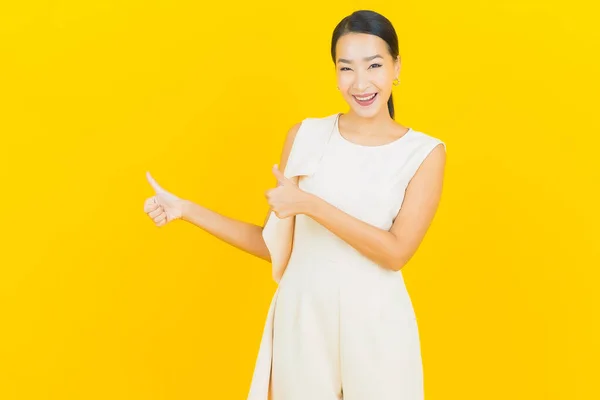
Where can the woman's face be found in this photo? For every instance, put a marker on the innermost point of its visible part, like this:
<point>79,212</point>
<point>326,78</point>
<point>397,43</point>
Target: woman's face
<point>365,73</point>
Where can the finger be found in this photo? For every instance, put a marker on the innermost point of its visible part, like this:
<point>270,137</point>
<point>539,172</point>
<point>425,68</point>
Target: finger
<point>270,198</point>
<point>150,204</point>
<point>160,218</point>
<point>157,188</point>
<point>283,214</point>
<point>280,176</point>
<point>156,213</point>
<point>277,174</point>
<point>271,192</point>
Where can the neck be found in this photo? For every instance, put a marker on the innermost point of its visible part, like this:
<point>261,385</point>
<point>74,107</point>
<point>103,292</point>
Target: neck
<point>369,124</point>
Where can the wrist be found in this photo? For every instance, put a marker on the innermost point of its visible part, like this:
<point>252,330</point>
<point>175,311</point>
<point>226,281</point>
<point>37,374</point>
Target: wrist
<point>310,204</point>
<point>185,209</point>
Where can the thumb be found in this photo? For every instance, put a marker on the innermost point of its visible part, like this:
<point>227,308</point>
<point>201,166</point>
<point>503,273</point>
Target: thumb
<point>153,183</point>
<point>281,178</point>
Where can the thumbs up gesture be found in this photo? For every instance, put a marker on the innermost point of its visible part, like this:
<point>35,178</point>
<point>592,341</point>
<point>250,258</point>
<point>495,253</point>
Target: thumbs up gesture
<point>163,207</point>
<point>287,199</point>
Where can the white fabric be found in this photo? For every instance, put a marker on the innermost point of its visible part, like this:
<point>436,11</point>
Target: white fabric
<point>339,325</point>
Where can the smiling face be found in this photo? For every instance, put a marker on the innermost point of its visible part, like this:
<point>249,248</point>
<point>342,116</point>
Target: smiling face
<point>365,73</point>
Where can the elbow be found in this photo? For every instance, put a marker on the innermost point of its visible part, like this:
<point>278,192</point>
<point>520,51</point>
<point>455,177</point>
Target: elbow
<point>396,261</point>
<point>396,266</point>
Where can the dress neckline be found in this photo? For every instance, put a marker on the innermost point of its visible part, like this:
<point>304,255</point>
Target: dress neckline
<point>337,133</point>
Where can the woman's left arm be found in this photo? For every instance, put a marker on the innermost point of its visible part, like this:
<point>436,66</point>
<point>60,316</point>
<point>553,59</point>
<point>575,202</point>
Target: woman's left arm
<point>394,248</point>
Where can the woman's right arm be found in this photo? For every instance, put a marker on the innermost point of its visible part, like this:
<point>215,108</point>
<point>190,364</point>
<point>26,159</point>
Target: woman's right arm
<point>242,235</point>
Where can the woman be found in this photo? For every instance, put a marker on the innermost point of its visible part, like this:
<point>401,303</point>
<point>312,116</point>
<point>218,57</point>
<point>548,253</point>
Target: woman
<point>357,194</point>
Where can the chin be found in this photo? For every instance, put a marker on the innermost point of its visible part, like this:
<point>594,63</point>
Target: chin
<point>367,112</point>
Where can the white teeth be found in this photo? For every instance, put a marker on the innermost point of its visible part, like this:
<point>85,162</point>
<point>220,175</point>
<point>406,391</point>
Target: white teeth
<point>366,98</point>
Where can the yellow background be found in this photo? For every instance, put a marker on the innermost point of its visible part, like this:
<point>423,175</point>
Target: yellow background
<point>98,303</point>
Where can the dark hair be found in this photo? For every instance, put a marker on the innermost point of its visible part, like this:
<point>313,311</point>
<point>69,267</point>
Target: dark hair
<point>373,23</point>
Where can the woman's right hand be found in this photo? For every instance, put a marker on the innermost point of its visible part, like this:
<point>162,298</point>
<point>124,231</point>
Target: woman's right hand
<point>163,207</point>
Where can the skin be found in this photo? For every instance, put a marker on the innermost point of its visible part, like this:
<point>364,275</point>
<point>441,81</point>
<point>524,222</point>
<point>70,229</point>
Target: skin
<point>366,126</point>
<point>357,75</point>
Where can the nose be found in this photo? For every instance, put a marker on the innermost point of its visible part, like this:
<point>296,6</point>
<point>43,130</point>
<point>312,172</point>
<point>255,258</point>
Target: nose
<point>361,81</point>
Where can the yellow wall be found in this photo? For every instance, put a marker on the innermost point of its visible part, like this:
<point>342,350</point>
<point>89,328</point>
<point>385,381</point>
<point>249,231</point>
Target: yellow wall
<point>98,303</point>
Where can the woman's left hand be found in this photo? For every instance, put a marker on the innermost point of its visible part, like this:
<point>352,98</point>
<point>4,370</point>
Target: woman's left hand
<point>287,199</point>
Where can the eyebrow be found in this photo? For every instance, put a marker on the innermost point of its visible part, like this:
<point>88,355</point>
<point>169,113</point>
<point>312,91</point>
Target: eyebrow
<point>343,60</point>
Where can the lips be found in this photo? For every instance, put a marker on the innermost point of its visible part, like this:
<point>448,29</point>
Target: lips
<point>365,99</point>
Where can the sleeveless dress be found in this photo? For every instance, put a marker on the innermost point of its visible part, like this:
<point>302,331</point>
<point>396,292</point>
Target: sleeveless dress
<point>339,325</point>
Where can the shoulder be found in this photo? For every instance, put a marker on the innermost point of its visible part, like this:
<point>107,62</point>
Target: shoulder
<point>425,139</point>
<point>429,156</point>
<point>423,151</point>
<point>310,131</point>
<point>322,119</point>
<point>317,125</point>
<point>311,125</point>
<point>424,144</point>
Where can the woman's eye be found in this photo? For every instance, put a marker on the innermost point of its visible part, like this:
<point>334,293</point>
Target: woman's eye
<point>372,65</point>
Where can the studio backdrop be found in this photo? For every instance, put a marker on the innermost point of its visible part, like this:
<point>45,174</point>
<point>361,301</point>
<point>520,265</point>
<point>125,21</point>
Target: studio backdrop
<point>96,302</point>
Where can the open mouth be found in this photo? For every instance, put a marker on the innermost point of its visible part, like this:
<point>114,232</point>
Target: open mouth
<point>365,100</point>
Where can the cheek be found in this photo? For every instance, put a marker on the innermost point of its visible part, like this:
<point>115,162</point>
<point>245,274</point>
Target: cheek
<point>344,82</point>
<point>383,80</point>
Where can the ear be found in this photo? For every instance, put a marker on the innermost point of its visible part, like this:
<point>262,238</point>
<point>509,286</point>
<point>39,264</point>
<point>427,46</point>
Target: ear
<point>397,65</point>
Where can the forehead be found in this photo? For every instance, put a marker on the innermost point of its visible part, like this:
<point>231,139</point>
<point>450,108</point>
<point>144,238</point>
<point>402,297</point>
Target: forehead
<point>355,46</point>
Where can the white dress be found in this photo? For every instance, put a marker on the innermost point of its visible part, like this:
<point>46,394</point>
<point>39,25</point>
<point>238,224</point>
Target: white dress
<point>339,325</point>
